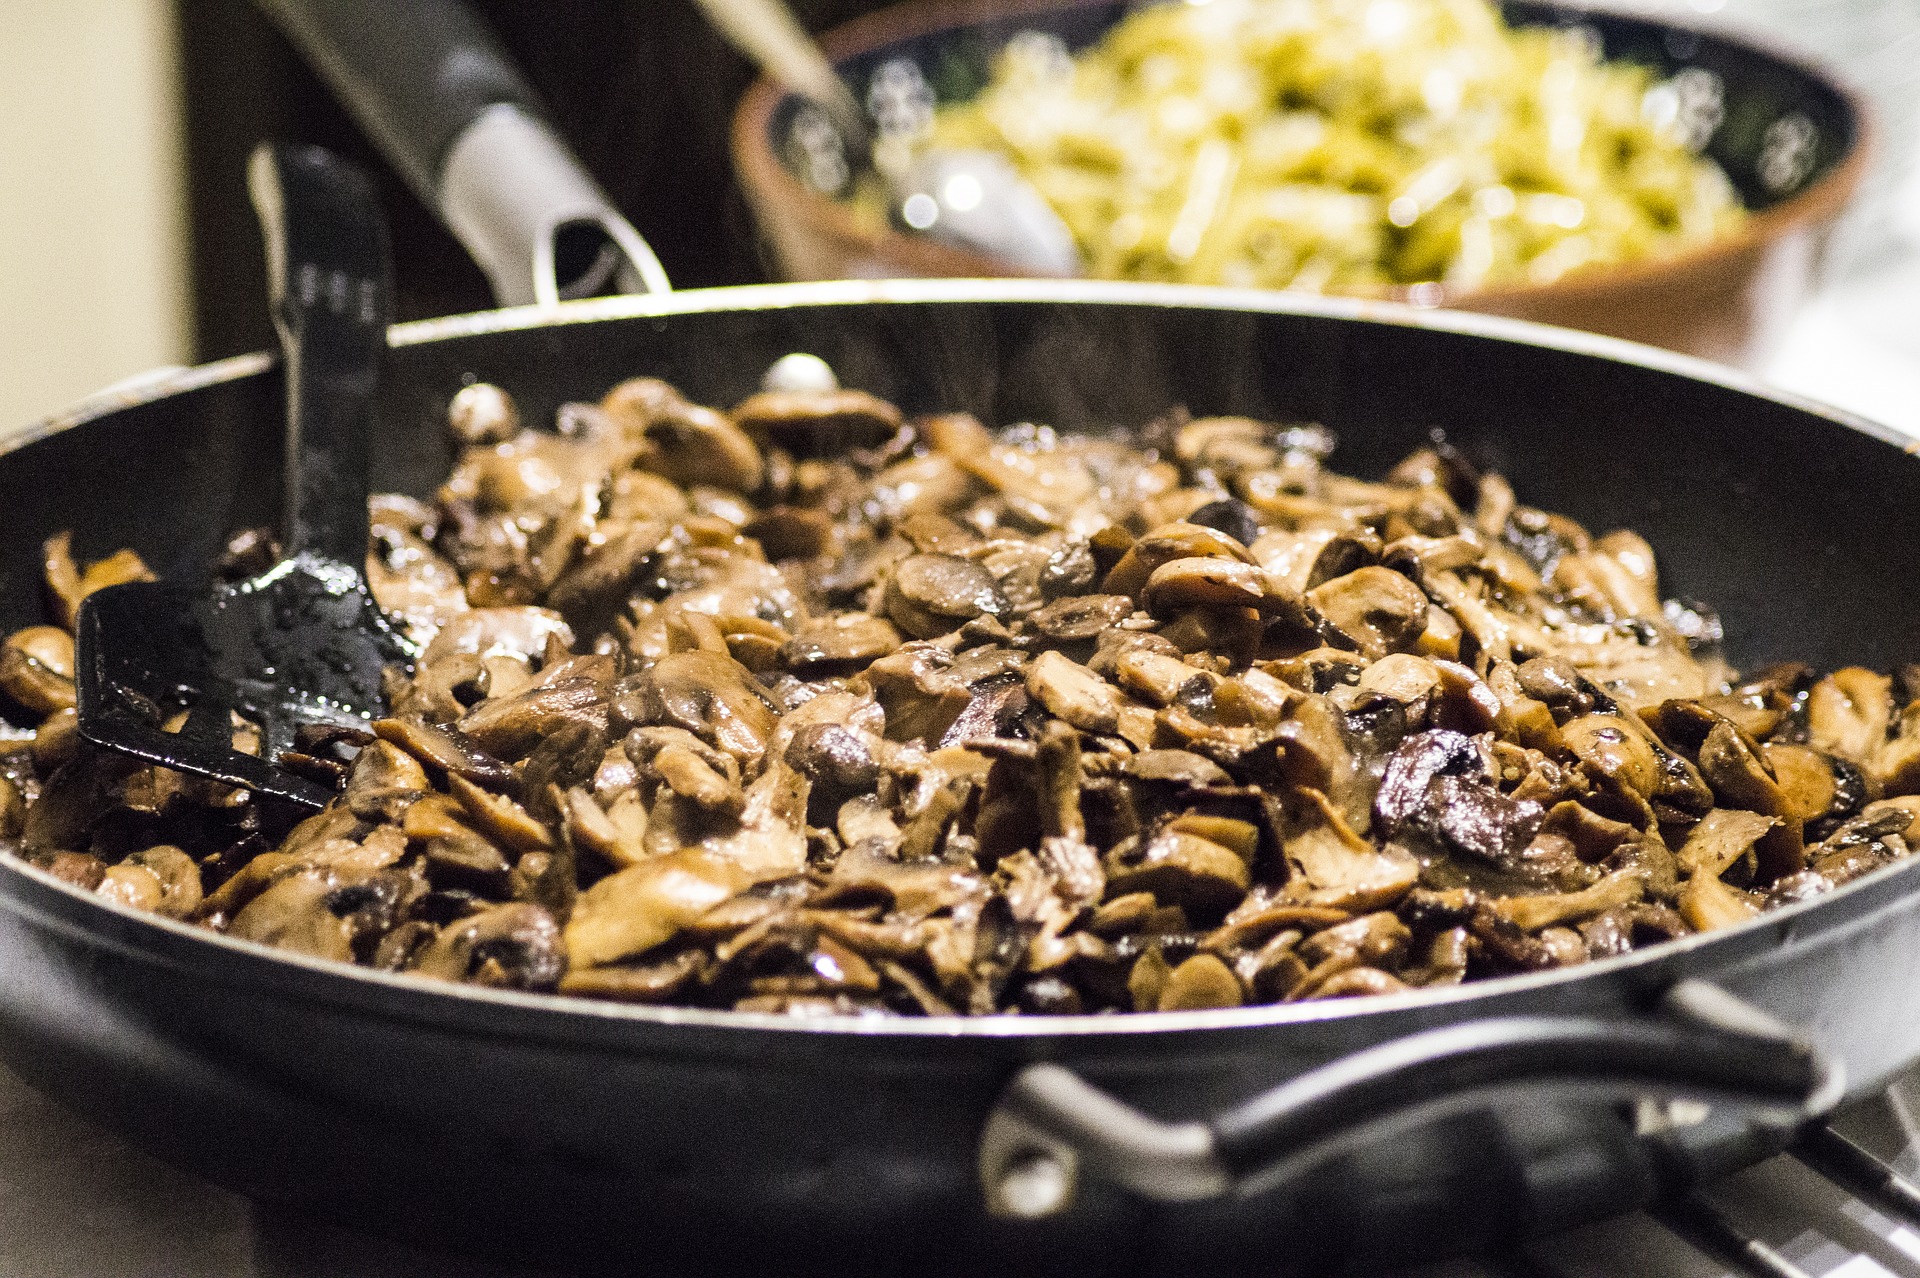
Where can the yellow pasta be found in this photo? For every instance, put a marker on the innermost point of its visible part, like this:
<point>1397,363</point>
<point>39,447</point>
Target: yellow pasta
<point>1345,146</point>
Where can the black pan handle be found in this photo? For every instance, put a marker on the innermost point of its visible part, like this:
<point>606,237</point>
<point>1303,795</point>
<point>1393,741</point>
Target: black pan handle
<point>1051,1126</point>
<point>330,284</point>
<point>432,87</point>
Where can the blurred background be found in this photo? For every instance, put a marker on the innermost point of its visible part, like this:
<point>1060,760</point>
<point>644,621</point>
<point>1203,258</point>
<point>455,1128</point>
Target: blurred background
<point>124,127</point>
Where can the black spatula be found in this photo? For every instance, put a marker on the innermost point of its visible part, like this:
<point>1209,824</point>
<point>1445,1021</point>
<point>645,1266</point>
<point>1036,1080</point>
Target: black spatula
<point>304,642</point>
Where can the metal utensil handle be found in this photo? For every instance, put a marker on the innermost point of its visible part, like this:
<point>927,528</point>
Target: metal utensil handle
<point>432,87</point>
<point>767,32</point>
<point>1051,1126</point>
<point>330,284</point>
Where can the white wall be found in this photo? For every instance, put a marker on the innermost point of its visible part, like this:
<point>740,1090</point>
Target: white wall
<point>92,247</point>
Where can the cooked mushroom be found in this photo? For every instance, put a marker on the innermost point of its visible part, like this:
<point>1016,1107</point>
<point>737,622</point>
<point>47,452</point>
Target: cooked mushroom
<point>482,413</point>
<point>819,423</point>
<point>36,668</point>
<point>1379,610</point>
<point>813,708</point>
<point>929,595</point>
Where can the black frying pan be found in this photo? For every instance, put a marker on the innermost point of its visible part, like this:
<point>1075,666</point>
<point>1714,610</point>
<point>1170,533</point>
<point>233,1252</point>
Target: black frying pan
<point>708,1141</point>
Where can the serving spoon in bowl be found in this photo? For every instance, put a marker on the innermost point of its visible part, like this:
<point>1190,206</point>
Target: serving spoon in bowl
<point>968,198</point>
<point>303,643</point>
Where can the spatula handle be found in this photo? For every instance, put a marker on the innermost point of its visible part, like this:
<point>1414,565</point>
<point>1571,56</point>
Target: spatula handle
<point>330,281</point>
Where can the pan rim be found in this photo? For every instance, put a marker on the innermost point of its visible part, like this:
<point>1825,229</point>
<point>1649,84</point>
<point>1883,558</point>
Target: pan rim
<point>164,383</point>
<point>413,998</point>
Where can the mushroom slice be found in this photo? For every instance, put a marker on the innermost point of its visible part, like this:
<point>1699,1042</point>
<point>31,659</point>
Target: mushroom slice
<point>929,595</point>
<point>1401,677</point>
<point>445,748</point>
<point>1200,876</point>
<point>1227,445</point>
<point>482,413</point>
<point>771,840</point>
<point>293,914</point>
<point>1377,608</point>
<point>1078,618</point>
<point>1207,582</point>
<point>1708,903</point>
<point>1174,767</point>
<point>1337,867</point>
<point>1532,913</point>
<point>1733,766</point>
<point>819,423</point>
<point>714,697</point>
<point>637,908</point>
<point>638,983</point>
<point>692,445</point>
<point>514,946</point>
<point>1612,585</point>
<point>133,886</point>
<point>1201,981</point>
<point>1073,693</point>
<point>69,586</point>
<point>694,779</point>
<point>1160,679</point>
<point>1413,767</point>
<point>382,767</point>
<point>492,632</point>
<point>178,876</point>
<point>36,668</point>
<point>1848,712</point>
<point>1722,837</point>
<point>1610,751</point>
<point>500,818</point>
<point>1895,764</point>
<point>411,580</point>
<point>1164,545</point>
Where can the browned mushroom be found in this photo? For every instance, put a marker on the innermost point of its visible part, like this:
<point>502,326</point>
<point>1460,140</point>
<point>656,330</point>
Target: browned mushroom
<point>809,709</point>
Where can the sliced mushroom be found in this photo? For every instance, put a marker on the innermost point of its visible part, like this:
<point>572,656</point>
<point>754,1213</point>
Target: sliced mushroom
<point>1164,545</point>
<point>1079,618</point>
<point>1532,913</point>
<point>1202,877</point>
<point>1377,608</point>
<point>293,914</point>
<point>1721,838</point>
<point>691,445</point>
<point>714,697</point>
<point>1200,982</point>
<point>1740,777</point>
<point>1338,867</point>
<point>1707,903</point>
<point>921,699</point>
<point>36,669</point>
<point>637,908</point>
<point>1848,713</point>
<point>819,423</point>
<point>929,595</point>
<point>68,585</point>
<point>482,413</point>
<point>516,946</point>
<point>1073,693</point>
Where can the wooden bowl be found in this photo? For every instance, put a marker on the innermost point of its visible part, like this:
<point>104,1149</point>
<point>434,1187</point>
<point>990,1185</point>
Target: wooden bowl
<point>1793,142</point>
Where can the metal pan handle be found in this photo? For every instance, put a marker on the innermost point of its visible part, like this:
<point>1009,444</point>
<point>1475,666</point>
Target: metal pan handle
<point>1051,1126</point>
<point>435,91</point>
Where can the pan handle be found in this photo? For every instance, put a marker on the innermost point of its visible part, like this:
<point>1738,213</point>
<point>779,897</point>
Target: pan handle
<point>1050,1126</point>
<point>432,87</point>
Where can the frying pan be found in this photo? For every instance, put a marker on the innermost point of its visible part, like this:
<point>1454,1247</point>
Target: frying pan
<point>1283,1138</point>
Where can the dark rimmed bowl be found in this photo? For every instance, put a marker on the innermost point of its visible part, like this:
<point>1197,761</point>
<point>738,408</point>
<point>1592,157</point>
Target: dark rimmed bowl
<point>1793,141</point>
